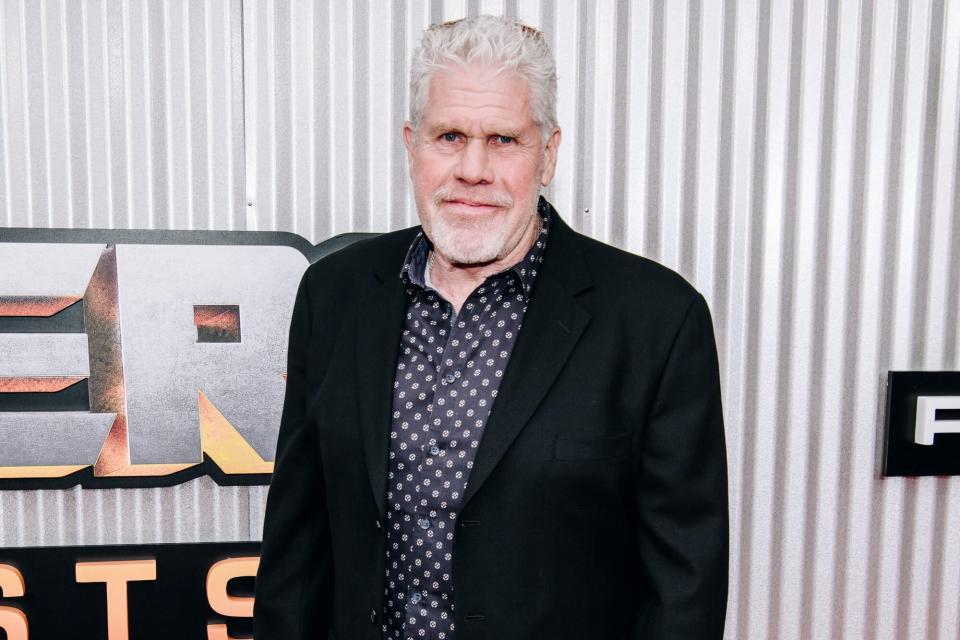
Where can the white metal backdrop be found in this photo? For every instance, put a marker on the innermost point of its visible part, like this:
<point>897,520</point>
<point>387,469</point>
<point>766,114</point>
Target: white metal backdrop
<point>797,160</point>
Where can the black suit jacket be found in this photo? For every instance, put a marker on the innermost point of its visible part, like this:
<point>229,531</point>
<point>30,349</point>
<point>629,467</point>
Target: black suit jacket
<point>597,504</point>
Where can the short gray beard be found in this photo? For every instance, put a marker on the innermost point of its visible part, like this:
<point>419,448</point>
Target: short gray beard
<point>483,241</point>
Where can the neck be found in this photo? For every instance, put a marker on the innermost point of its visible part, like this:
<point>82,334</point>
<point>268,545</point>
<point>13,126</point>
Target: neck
<point>455,282</point>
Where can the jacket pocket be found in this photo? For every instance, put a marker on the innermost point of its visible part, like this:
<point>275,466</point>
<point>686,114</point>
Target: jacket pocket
<point>603,448</point>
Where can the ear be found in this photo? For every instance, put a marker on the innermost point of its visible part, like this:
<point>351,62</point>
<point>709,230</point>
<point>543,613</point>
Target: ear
<point>408,140</point>
<point>550,157</point>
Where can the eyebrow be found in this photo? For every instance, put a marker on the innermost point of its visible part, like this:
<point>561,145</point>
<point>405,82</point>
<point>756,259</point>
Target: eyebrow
<point>444,127</point>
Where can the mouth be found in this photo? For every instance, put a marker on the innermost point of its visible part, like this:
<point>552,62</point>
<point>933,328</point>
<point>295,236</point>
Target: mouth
<point>465,204</point>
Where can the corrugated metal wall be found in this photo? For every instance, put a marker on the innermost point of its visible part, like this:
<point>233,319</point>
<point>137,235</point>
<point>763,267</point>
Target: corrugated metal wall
<point>796,160</point>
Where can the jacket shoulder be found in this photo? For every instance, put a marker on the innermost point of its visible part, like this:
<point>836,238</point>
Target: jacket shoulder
<point>637,278</point>
<point>349,271</point>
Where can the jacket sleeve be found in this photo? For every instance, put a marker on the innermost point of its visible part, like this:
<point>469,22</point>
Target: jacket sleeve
<point>682,492</point>
<point>295,580</point>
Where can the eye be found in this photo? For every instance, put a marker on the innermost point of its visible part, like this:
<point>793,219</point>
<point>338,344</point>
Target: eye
<point>504,139</point>
<point>449,137</point>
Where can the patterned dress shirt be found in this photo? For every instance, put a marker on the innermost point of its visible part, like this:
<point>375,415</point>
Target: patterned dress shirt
<point>447,376</point>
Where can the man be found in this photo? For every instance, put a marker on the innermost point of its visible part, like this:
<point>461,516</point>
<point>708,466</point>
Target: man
<point>494,427</point>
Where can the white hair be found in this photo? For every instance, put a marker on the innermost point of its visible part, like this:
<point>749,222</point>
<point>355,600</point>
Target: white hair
<point>501,42</point>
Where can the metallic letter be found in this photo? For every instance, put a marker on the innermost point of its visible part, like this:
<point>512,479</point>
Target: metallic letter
<point>164,367</point>
<point>41,280</point>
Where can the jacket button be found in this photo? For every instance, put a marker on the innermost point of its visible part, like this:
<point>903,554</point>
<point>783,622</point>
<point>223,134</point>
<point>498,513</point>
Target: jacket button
<point>373,616</point>
<point>379,526</point>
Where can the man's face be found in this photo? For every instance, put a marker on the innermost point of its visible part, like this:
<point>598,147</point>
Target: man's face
<point>477,163</point>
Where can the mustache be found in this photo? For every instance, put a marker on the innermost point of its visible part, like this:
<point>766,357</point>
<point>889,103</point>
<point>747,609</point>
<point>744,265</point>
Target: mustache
<point>444,194</point>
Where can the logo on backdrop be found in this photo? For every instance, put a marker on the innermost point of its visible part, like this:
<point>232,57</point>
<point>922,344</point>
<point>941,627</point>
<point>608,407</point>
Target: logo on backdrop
<point>144,358</point>
<point>183,591</point>
<point>923,424</point>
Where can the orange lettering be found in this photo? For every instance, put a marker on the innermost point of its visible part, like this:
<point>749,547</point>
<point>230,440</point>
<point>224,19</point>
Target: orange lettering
<point>222,602</point>
<point>12,620</point>
<point>116,575</point>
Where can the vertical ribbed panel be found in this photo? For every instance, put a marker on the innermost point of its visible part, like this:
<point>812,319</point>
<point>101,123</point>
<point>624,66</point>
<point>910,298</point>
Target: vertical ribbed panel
<point>196,511</point>
<point>797,160</point>
<point>121,114</point>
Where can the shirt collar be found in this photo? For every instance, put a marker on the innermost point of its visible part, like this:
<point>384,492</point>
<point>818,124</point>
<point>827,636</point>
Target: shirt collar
<point>415,263</point>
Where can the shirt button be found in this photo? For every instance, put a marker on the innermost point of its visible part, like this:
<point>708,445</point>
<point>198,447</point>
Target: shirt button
<point>434,450</point>
<point>424,523</point>
<point>450,378</point>
<point>415,598</point>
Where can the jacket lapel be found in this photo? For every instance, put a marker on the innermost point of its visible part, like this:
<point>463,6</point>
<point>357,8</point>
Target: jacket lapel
<point>379,328</point>
<point>551,328</point>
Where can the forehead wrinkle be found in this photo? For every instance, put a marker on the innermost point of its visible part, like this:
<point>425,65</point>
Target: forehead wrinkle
<point>492,100</point>
<point>494,96</point>
<point>492,118</point>
<point>494,90</point>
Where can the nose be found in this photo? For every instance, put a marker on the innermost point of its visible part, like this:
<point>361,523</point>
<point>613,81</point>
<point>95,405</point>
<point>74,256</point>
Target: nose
<point>474,166</point>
